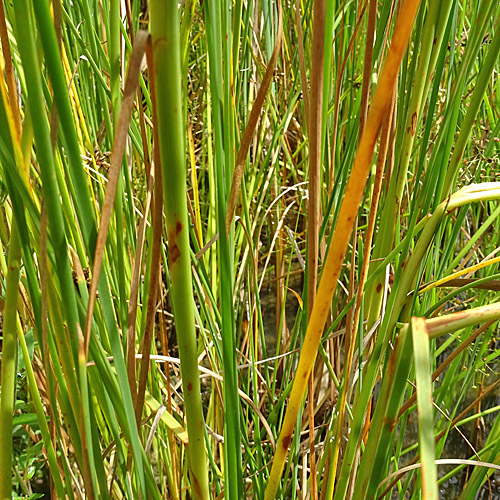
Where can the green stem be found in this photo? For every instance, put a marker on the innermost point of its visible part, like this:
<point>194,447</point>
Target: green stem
<point>166,47</point>
<point>218,22</point>
<point>9,358</point>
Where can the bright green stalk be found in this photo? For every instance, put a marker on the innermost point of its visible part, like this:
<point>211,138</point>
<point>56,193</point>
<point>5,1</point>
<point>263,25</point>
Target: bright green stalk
<point>114,56</point>
<point>232,444</point>
<point>167,71</point>
<point>9,359</point>
<point>218,38</point>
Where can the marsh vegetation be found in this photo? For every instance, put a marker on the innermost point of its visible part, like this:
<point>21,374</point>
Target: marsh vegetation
<point>250,249</point>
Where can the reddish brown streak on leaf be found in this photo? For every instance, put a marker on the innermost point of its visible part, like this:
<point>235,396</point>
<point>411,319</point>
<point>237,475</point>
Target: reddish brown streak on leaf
<point>413,123</point>
<point>379,287</point>
<point>173,248</point>
<point>286,442</point>
<point>174,251</point>
<point>390,422</point>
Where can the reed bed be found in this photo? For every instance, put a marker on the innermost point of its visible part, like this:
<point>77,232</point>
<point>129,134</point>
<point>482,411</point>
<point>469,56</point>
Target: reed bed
<point>250,249</point>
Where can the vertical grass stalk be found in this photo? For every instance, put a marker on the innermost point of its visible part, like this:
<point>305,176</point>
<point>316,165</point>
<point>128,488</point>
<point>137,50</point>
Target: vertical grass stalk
<point>218,15</point>
<point>167,52</point>
<point>9,359</point>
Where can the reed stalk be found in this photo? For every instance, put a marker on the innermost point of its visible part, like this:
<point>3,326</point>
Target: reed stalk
<point>171,132</point>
